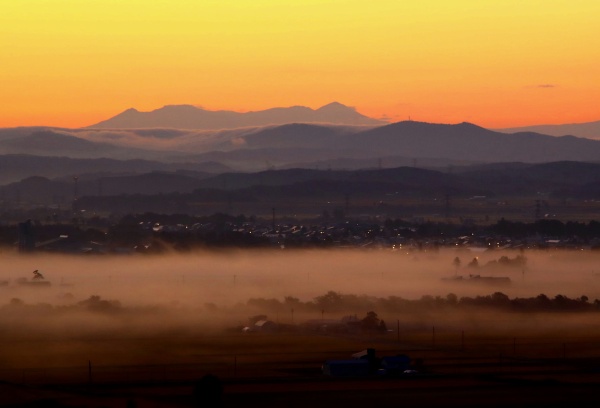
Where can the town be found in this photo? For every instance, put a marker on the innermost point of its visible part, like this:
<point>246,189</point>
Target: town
<point>157,233</point>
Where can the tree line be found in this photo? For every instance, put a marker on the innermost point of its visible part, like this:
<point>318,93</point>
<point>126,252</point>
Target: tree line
<point>333,302</point>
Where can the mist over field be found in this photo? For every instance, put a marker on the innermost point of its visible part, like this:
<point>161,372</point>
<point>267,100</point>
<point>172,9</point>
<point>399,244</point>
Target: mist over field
<point>213,289</point>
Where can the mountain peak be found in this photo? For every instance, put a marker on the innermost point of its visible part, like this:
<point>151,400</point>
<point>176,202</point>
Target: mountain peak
<point>178,108</point>
<point>335,106</point>
<point>469,125</point>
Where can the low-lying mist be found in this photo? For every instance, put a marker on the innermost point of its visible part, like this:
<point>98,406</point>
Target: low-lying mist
<point>194,292</point>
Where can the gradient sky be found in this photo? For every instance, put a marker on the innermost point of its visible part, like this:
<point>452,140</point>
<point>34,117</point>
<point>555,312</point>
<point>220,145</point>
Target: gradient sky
<point>497,63</point>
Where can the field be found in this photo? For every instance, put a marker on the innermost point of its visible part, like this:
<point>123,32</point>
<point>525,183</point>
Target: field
<point>159,324</point>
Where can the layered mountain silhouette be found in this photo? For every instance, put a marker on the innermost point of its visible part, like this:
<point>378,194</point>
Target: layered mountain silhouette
<point>18,167</point>
<point>306,145</point>
<point>466,141</point>
<point>410,140</point>
<point>159,191</point>
<point>62,144</point>
<point>591,130</point>
<point>186,159</point>
<point>191,117</point>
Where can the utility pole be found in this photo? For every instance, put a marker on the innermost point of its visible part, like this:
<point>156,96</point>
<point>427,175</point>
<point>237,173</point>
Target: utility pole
<point>347,199</point>
<point>75,188</point>
<point>273,219</point>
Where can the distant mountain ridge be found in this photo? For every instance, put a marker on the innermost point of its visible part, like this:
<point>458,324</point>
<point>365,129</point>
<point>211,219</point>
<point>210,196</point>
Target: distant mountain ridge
<point>590,130</point>
<point>16,167</point>
<point>466,141</point>
<point>252,191</point>
<point>191,117</point>
<point>254,149</point>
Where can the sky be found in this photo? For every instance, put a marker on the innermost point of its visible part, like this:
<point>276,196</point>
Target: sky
<point>73,63</point>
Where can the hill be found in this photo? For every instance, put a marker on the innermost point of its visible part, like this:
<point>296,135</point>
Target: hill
<point>310,145</point>
<point>252,191</point>
<point>39,190</point>
<point>62,144</point>
<point>18,167</point>
<point>443,144</point>
<point>590,130</point>
<point>466,141</point>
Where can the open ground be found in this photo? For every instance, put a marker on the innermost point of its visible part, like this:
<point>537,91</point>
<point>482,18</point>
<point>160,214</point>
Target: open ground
<point>167,321</point>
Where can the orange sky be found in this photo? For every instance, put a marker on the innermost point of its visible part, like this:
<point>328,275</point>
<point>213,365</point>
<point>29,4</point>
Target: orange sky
<point>503,63</point>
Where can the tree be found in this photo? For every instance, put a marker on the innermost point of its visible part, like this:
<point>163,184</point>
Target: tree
<point>371,322</point>
<point>456,264</point>
<point>329,301</point>
<point>500,298</point>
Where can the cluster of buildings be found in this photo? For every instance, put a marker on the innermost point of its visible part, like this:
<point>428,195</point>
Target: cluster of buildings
<point>157,235</point>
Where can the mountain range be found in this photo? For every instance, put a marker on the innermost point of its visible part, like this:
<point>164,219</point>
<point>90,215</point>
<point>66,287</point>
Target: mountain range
<point>16,167</point>
<point>191,117</point>
<point>194,118</point>
<point>257,166</point>
<point>298,145</point>
<point>115,158</point>
<point>251,192</point>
